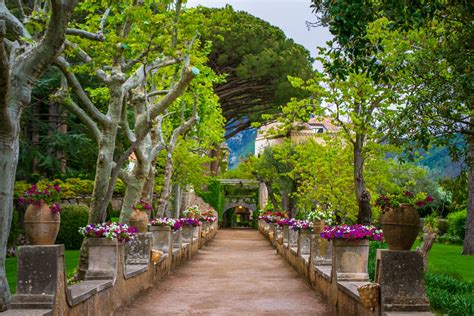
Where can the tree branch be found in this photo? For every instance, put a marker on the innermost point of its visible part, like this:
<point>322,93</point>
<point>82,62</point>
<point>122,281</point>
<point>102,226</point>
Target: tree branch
<point>139,76</point>
<point>74,83</point>
<point>12,23</point>
<point>98,36</point>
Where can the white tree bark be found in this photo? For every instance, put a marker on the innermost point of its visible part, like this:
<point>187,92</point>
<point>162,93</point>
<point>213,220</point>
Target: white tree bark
<point>18,76</point>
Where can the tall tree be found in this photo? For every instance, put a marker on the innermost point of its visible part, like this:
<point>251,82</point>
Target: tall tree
<point>255,59</point>
<point>24,56</point>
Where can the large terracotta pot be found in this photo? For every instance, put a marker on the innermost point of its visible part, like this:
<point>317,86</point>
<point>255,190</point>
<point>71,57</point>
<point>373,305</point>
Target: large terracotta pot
<point>400,227</point>
<point>318,226</point>
<point>139,219</point>
<point>41,225</point>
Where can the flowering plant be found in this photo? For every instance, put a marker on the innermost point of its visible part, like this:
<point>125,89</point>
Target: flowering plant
<point>353,232</point>
<point>393,200</point>
<point>190,221</point>
<point>51,195</point>
<point>209,216</point>
<point>143,206</point>
<point>121,232</point>
<point>165,221</point>
<point>319,215</point>
<point>285,221</point>
<point>301,224</point>
<point>192,212</point>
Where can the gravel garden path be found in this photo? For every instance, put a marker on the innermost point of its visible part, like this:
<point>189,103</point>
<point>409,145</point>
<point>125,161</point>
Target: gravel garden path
<point>239,273</point>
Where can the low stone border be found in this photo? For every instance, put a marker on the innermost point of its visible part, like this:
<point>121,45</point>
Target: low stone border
<point>340,291</point>
<point>117,274</point>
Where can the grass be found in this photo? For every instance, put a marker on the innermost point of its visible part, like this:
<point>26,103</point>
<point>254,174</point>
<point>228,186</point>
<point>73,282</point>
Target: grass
<point>71,257</point>
<point>449,279</point>
<point>447,259</point>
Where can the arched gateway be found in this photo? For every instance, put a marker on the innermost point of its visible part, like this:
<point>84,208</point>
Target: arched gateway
<point>240,201</point>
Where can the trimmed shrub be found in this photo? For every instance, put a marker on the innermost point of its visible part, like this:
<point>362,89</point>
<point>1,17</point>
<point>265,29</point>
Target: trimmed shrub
<point>72,218</point>
<point>457,224</point>
<point>443,226</point>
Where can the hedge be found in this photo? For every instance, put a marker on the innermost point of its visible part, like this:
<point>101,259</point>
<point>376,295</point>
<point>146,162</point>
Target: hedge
<point>72,218</point>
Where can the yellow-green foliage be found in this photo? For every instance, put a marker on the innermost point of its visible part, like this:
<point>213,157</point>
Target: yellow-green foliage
<point>70,188</point>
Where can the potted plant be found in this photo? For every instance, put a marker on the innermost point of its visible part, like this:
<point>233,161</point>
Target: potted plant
<point>320,218</point>
<point>139,216</point>
<point>42,216</point>
<point>400,219</point>
<point>104,241</point>
<point>321,248</point>
<point>161,232</point>
<point>351,249</point>
<point>192,212</point>
<point>303,229</point>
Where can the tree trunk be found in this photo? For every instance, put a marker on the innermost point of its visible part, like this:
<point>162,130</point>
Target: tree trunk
<point>429,238</point>
<point>9,147</point>
<point>362,196</point>
<point>214,164</point>
<point>149,187</point>
<point>468,248</point>
<point>165,191</point>
<point>35,137</point>
<point>62,129</point>
<point>271,196</point>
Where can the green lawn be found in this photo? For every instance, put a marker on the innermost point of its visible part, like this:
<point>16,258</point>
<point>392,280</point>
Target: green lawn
<point>71,258</point>
<point>447,259</point>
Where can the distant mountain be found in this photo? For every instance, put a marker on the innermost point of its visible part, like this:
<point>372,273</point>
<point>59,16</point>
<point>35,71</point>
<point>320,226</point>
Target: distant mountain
<point>437,159</point>
<point>241,146</point>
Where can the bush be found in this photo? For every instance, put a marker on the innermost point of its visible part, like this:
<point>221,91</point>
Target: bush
<point>457,224</point>
<point>443,226</point>
<point>449,239</point>
<point>450,295</point>
<point>373,246</point>
<point>72,218</point>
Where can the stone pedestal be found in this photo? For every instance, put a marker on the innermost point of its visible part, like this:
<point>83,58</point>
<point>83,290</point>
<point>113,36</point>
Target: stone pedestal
<point>187,234</point>
<point>196,232</point>
<point>350,259</point>
<point>304,242</point>
<point>402,284</point>
<point>161,238</point>
<point>103,255</point>
<point>286,235</point>
<point>292,238</point>
<point>321,251</point>
<point>139,248</point>
<point>177,241</point>
<point>39,268</point>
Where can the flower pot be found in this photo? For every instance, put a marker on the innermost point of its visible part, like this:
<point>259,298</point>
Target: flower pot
<point>304,242</point>
<point>318,226</point>
<point>161,237</point>
<point>139,220</point>
<point>350,259</point>
<point>400,227</point>
<point>41,225</point>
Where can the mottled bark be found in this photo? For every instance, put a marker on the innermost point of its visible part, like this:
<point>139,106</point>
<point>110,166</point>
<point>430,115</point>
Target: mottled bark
<point>429,237</point>
<point>18,75</point>
<point>362,195</point>
<point>468,248</point>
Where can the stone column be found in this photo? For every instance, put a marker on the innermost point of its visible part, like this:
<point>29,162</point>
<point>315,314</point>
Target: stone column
<point>350,258</point>
<point>161,238</point>
<point>40,269</point>
<point>402,284</point>
<point>187,234</point>
<point>286,235</point>
<point>103,258</point>
<point>304,242</point>
<point>293,238</point>
<point>139,248</point>
<point>177,241</point>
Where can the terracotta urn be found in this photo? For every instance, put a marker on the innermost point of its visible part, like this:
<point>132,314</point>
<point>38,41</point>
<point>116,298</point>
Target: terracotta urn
<point>41,225</point>
<point>318,226</point>
<point>139,219</point>
<point>400,227</point>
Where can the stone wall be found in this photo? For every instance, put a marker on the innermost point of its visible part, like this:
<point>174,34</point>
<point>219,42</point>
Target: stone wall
<point>401,292</point>
<point>117,274</point>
